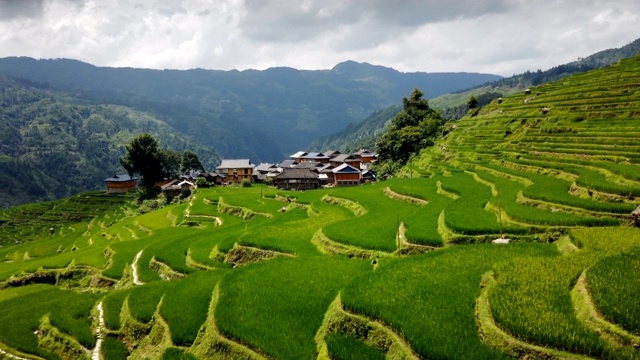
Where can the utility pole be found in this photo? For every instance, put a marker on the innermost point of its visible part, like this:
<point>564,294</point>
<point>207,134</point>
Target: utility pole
<point>500,213</point>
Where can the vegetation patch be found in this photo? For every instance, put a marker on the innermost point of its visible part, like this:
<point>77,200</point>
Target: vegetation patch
<point>166,273</point>
<point>243,255</point>
<point>410,199</point>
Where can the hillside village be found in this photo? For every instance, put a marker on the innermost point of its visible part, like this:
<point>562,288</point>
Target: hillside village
<point>301,171</point>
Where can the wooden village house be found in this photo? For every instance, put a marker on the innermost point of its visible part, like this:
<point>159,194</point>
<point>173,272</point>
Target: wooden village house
<point>120,184</point>
<point>236,170</point>
<point>346,174</point>
<point>296,179</point>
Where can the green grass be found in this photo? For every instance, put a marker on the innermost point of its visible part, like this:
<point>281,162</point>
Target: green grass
<point>113,349</point>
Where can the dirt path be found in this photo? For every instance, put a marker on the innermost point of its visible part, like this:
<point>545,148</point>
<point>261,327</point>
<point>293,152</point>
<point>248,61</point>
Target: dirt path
<point>134,268</point>
<point>95,355</point>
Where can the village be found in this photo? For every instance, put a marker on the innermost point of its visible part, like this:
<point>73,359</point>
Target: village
<point>301,171</point>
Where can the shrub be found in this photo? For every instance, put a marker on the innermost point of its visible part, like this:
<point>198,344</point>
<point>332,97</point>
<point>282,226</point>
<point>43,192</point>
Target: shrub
<point>246,183</point>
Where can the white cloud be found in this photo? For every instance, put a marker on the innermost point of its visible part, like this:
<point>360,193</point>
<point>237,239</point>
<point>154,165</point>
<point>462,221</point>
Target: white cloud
<point>496,36</point>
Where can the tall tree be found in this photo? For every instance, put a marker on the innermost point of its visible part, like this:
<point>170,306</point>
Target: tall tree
<point>171,162</point>
<point>411,130</point>
<point>190,161</point>
<point>144,157</point>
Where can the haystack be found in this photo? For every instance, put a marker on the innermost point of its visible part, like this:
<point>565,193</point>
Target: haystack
<point>635,215</point>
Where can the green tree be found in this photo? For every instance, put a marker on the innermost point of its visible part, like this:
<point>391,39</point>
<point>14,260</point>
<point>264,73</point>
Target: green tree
<point>412,129</point>
<point>190,161</point>
<point>472,103</point>
<point>144,157</point>
<point>171,162</point>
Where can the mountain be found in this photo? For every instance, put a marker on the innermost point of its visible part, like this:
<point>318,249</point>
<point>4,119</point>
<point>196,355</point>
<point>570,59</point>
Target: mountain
<point>262,115</point>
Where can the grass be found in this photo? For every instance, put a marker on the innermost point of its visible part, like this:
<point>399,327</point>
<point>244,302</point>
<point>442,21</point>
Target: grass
<point>346,347</point>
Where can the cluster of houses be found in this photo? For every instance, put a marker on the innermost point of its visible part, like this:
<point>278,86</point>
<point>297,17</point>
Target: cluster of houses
<point>302,171</point>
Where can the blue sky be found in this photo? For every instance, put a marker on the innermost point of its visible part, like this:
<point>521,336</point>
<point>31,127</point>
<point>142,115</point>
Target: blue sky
<point>493,36</point>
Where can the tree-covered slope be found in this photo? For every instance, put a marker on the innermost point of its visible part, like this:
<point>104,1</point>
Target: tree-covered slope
<point>53,146</point>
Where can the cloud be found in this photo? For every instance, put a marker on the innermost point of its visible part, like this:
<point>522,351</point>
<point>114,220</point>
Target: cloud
<point>496,36</point>
<point>11,9</point>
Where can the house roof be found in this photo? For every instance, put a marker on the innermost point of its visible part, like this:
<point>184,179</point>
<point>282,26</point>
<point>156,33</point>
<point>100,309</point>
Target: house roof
<point>296,173</point>
<point>287,163</point>
<point>299,154</point>
<point>369,174</point>
<point>307,165</point>
<point>235,164</point>
<point>326,168</point>
<point>315,156</point>
<point>345,169</point>
<point>344,157</point>
<point>120,178</point>
<point>331,153</point>
<point>264,167</point>
<point>362,151</point>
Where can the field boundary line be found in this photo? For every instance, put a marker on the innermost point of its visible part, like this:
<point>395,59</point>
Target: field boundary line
<point>587,313</point>
<point>406,198</point>
<point>491,334</point>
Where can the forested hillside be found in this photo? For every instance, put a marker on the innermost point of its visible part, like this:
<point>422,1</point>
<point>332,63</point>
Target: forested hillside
<point>53,146</point>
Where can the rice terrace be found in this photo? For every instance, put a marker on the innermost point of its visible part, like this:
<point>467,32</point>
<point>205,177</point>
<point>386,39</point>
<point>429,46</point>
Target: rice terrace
<point>403,268</point>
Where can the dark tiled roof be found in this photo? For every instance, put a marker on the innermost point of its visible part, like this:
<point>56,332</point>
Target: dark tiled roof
<point>296,173</point>
<point>235,164</point>
<point>287,163</point>
<point>264,167</point>
<point>344,157</point>
<point>120,178</point>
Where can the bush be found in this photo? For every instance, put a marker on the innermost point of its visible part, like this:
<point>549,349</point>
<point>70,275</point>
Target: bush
<point>246,183</point>
<point>202,183</point>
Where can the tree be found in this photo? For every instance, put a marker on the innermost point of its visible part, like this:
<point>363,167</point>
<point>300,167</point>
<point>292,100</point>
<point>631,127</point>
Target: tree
<point>411,130</point>
<point>144,157</point>
<point>190,161</point>
<point>473,102</point>
<point>171,162</point>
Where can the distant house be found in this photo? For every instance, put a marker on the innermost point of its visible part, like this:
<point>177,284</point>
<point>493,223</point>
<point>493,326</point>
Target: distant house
<point>346,174</point>
<point>176,187</point>
<point>368,176</point>
<point>332,153</point>
<point>326,174</point>
<point>315,157</point>
<point>297,157</point>
<point>311,165</point>
<point>296,179</point>
<point>261,171</point>
<point>366,157</point>
<point>215,178</point>
<point>346,159</point>
<point>235,170</point>
<point>287,163</point>
<point>120,184</point>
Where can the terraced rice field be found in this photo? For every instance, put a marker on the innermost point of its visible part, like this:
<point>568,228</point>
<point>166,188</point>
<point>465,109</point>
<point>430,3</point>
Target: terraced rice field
<point>404,268</point>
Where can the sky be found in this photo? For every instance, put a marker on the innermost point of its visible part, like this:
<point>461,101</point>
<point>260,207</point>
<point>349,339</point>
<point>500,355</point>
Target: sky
<point>502,37</point>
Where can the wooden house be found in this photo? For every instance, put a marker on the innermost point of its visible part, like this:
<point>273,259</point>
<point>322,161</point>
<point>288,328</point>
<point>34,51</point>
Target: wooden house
<point>368,176</point>
<point>298,157</point>
<point>366,157</point>
<point>325,174</point>
<point>346,159</point>
<point>346,174</point>
<point>296,179</point>
<point>176,187</point>
<point>315,157</point>
<point>120,184</point>
<point>235,170</point>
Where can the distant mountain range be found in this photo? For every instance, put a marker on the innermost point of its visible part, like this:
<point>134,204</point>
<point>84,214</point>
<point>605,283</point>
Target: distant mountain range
<point>64,122</point>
